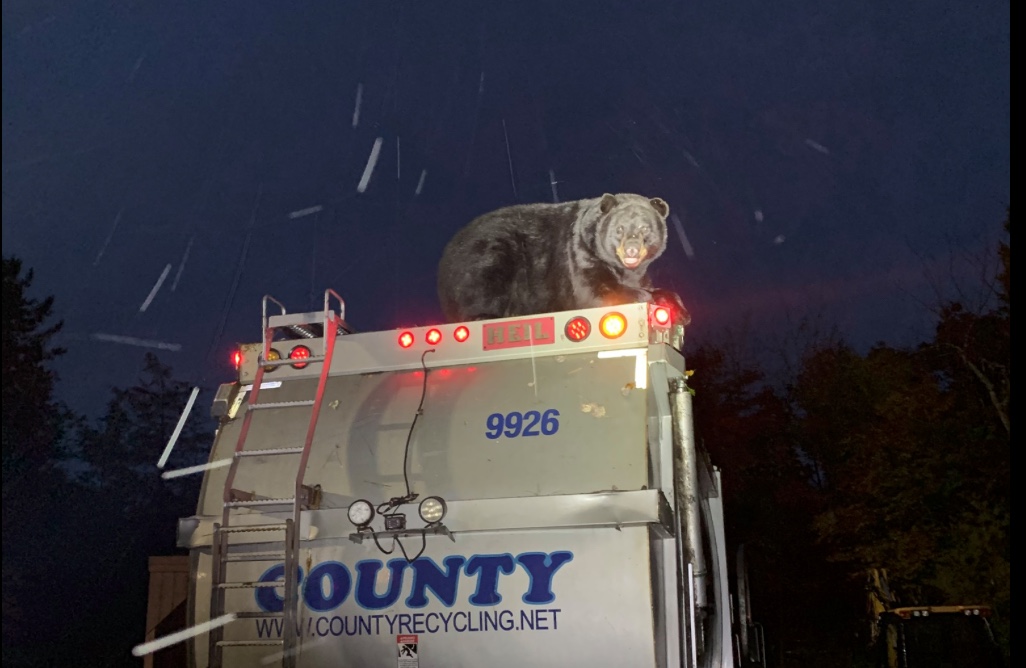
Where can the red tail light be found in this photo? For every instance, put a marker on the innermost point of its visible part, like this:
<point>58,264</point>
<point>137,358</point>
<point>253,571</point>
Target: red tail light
<point>461,334</point>
<point>578,329</point>
<point>661,316</point>
<point>237,359</point>
<point>405,339</point>
<point>299,353</point>
<point>433,336</point>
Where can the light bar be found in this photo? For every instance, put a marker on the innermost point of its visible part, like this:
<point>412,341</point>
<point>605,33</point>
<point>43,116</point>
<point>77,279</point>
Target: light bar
<point>625,326</point>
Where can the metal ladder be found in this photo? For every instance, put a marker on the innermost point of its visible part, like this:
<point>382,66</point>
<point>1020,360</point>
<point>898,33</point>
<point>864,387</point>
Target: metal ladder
<point>235,500</point>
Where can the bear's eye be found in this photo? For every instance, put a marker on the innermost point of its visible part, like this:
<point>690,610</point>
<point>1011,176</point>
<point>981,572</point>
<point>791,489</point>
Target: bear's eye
<point>644,229</point>
<point>619,229</point>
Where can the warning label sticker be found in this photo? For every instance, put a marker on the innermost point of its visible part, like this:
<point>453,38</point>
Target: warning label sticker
<point>406,648</point>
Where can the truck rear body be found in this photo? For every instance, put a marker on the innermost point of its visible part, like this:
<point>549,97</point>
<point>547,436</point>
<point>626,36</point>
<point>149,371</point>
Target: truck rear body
<point>565,539</point>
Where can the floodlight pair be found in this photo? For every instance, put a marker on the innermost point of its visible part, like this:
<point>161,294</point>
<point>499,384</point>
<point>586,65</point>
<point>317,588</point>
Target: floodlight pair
<point>432,509</point>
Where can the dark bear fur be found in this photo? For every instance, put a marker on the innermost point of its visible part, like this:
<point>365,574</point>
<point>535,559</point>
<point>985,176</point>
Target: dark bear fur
<point>538,258</point>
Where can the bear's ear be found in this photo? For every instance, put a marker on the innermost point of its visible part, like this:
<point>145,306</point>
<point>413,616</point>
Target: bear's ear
<point>607,203</point>
<point>661,206</point>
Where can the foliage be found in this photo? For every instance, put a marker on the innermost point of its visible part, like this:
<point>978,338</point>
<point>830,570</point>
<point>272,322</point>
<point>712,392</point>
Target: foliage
<point>911,450</point>
<point>971,354</point>
<point>130,512</point>
<point>32,420</point>
<point>127,443</point>
<point>769,504</point>
<point>874,428</point>
<point>80,542</point>
<point>33,423</point>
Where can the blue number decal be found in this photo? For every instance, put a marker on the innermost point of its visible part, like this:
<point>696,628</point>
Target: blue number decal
<point>514,420</point>
<point>531,428</point>
<point>515,424</point>
<point>550,425</point>
<point>494,423</point>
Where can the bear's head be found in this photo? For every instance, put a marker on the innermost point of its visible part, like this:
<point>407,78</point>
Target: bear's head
<point>631,230</point>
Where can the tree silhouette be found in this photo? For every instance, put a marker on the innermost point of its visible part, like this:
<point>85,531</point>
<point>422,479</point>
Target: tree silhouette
<point>33,423</point>
<point>128,441</point>
<point>31,417</point>
<point>137,509</point>
<point>770,504</point>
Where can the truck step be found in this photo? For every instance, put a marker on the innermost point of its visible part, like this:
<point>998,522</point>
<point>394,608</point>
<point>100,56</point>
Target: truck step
<point>250,585</point>
<point>254,556</point>
<point>253,527</point>
<point>249,643</point>
<point>269,451</point>
<point>261,502</point>
<point>280,404</point>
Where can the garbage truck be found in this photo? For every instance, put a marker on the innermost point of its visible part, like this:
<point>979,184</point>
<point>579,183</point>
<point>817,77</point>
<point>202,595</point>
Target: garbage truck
<point>521,491</point>
<point>926,636</point>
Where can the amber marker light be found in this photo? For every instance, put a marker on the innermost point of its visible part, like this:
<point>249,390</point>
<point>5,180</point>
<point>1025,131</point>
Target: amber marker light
<point>613,325</point>
<point>272,356</point>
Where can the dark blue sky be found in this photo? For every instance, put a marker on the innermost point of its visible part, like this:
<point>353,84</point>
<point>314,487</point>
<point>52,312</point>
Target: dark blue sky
<point>823,159</point>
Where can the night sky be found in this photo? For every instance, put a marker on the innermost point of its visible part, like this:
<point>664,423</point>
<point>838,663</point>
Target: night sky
<point>822,159</point>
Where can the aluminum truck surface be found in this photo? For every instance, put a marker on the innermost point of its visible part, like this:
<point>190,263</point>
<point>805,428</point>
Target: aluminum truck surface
<point>514,492</point>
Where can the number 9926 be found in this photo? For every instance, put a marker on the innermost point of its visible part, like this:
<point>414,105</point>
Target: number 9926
<point>516,424</point>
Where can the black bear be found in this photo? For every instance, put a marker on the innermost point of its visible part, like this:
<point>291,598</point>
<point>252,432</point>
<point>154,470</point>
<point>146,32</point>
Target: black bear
<point>537,258</point>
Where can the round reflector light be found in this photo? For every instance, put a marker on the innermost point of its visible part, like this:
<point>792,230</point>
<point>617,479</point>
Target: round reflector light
<point>299,353</point>
<point>577,329</point>
<point>432,509</point>
<point>461,334</point>
<point>661,315</point>
<point>272,356</point>
<point>613,325</point>
<point>405,339</point>
<point>433,336</point>
<point>361,512</point>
